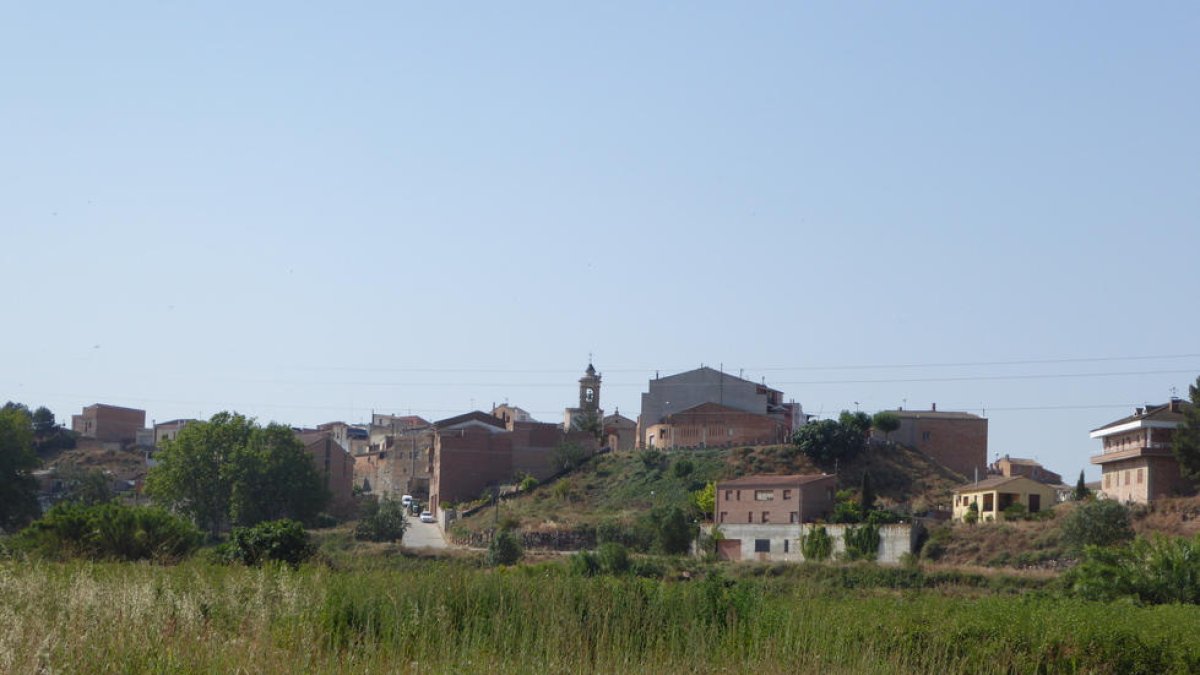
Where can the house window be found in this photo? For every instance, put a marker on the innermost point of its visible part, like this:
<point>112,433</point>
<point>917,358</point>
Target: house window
<point>723,514</point>
<point>987,502</point>
<point>1127,477</point>
<point>925,436</point>
<point>764,495</point>
<point>787,494</point>
<point>750,517</point>
<point>795,516</point>
<point>762,545</point>
<point>766,517</point>
<point>787,546</point>
<point>728,495</point>
<point>1139,477</point>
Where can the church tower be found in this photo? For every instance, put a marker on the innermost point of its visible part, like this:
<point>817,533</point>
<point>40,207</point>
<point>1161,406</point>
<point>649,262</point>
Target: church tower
<point>589,402</point>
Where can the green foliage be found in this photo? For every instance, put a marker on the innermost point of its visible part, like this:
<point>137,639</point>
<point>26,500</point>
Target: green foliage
<point>505,549</point>
<point>825,441</point>
<point>1016,511</point>
<point>886,422</point>
<point>1081,491</point>
<point>569,456</point>
<point>866,500</point>
<point>704,500</point>
<point>18,489</point>
<point>1103,522</point>
<point>584,564</point>
<point>279,541</point>
<point>683,468</point>
<point>381,520</point>
<point>862,543</point>
<point>230,470</point>
<point>614,557</point>
<point>845,508</point>
<point>1186,441</point>
<point>674,532</point>
<point>84,486</point>
<point>591,422</point>
<point>1152,571</point>
<point>653,459</point>
<point>109,531</point>
<point>934,546</point>
<point>527,483</point>
<point>817,545</point>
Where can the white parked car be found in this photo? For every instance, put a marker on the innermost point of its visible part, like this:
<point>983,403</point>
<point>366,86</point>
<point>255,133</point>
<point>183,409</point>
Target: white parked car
<point>406,500</point>
<point>427,517</point>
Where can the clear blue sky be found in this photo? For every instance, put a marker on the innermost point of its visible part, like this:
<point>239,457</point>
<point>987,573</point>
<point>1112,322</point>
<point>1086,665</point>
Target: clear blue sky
<point>308,213</point>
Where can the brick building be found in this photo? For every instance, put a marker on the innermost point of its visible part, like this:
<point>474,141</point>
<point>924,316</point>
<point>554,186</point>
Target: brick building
<point>477,451</point>
<point>766,500</point>
<point>957,440</point>
<point>684,393</point>
<point>620,432</point>
<point>110,423</point>
<point>1137,463</point>
<point>335,466</point>
<point>715,425</point>
<point>1032,469</point>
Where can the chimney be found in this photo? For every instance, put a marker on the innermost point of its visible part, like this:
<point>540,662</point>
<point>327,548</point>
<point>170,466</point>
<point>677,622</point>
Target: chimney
<point>933,407</point>
<point>1137,411</point>
<point>1174,404</point>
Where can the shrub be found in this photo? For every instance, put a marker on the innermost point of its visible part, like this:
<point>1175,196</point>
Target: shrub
<point>674,532</point>
<point>862,543</point>
<point>1016,511</point>
<point>504,549</point>
<point>527,483</point>
<point>648,568</point>
<point>817,545</point>
<point>111,531</point>
<point>652,459</point>
<point>1154,571</point>
<point>283,541</point>
<point>584,564</point>
<point>683,468</point>
<point>385,521</point>
<point>1103,522</point>
<point>614,558</point>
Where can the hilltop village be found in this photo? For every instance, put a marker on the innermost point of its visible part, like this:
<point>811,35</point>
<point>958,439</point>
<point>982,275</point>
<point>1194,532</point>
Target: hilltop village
<point>453,467</point>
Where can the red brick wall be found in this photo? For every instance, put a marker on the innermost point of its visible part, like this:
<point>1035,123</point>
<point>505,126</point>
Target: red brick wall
<point>719,427</point>
<point>958,443</point>
<point>809,501</point>
<point>109,423</point>
<point>335,466</point>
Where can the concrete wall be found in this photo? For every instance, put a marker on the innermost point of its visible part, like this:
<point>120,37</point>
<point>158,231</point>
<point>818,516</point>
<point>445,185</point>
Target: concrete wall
<point>894,541</point>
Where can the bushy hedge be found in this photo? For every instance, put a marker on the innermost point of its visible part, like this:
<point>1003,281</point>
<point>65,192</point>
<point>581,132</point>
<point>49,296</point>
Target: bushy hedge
<point>110,531</point>
<point>283,541</point>
<point>1101,522</point>
<point>504,549</point>
<point>381,520</point>
<point>862,543</point>
<point>1152,571</point>
<point>817,545</point>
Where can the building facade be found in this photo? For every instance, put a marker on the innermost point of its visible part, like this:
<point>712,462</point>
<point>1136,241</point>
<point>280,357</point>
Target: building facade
<point>336,468</point>
<point>674,394</point>
<point>1137,462</point>
<point>778,500</point>
<point>992,496</point>
<point>110,423</point>
<point>169,430</point>
<point>620,432</point>
<point>1017,466</point>
<point>957,440</point>
<point>589,410</point>
<point>714,425</point>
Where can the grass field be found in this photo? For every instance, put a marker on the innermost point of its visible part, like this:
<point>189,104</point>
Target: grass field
<point>405,615</point>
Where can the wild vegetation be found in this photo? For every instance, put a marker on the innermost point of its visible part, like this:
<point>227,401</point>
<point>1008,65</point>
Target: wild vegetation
<point>408,615</point>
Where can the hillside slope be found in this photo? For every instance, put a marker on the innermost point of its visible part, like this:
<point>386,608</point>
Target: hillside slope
<point>621,486</point>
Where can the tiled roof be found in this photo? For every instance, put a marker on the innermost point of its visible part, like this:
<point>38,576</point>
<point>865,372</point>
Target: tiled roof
<point>772,481</point>
<point>989,483</point>
<point>467,417</point>
<point>1157,413</point>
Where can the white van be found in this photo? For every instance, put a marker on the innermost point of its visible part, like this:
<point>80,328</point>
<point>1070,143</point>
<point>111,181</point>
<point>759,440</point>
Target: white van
<point>406,500</point>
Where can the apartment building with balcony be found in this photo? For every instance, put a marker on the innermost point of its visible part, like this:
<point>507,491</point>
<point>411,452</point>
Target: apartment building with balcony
<point>1137,462</point>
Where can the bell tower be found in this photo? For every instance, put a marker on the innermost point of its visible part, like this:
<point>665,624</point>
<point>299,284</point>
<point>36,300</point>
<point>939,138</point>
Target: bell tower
<point>589,390</point>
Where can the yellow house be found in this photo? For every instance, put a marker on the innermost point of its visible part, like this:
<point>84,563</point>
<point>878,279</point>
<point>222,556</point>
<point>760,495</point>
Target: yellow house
<point>997,493</point>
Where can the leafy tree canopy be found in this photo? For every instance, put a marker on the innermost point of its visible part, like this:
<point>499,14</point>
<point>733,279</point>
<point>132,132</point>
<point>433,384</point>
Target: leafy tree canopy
<point>825,441</point>
<point>1187,437</point>
<point>18,489</point>
<point>230,470</point>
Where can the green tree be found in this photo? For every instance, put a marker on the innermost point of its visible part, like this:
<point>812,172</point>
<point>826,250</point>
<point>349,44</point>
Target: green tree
<point>229,470</point>
<point>867,495</point>
<point>505,549</point>
<point>18,489</point>
<point>825,441</point>
<point>43,421</point>
<point>1081,491</point>
<point>705,499</point>
<point>589,422</point>
<point>84,486</point>
<point>817,545</point>
<point>1103,522</point>
<point>381,520</point>
<point>1186,443</point>
<point>674,532</point>
<point>569,455</point>
<point>886,422</point>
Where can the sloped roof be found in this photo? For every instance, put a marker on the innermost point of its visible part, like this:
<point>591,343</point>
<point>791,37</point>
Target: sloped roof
<point>474,415</point>
<point>772,481</point>
<point>936,414</point>
<point>992,483</point>
<point>1155,413</point>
